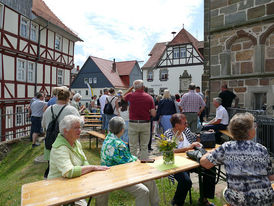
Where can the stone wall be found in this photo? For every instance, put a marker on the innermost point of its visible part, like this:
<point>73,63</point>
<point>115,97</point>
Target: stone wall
<point>242,50</point>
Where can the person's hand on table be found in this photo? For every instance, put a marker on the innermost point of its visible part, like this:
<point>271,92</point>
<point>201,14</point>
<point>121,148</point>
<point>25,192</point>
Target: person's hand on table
<point>196,144</point>
<point>101,168</point>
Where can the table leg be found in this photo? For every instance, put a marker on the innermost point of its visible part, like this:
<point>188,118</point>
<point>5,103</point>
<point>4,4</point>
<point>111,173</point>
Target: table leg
<point>97,142</point>
<point>89,200</point>
<point>201,188</point>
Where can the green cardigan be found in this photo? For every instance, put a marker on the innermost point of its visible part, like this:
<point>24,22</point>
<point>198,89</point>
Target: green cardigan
<point>65,160</point>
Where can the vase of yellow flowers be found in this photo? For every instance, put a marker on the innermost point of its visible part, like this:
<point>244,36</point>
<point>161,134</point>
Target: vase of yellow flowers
<point>166,146</point>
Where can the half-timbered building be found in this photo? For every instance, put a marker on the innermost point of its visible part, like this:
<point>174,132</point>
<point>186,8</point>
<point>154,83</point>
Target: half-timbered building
<point>97,74</point>
<point>173,65</point>
<point>36,54</point>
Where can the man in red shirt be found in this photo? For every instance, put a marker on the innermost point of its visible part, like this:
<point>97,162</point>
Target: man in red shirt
<point>141,107</point>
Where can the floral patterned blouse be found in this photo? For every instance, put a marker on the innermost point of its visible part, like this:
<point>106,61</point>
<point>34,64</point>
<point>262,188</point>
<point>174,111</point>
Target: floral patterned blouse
<point>247,166</point>
<point>114,151</point>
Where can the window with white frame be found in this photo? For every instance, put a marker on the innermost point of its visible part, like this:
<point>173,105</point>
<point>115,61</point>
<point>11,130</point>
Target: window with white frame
<point>19,115</point>
<point>94,80</point>
<point>58,42</point>
<point>21,70</point>
<point>85,80</point>
<point>150,75</point>
<point>163,75</point>
<point>60,77</point>
<point>24,27</point>
<point>31,72</point>
<point>34,32</point>
<point>176,53</point>
<point>183,52</point>
<point>90,80</point>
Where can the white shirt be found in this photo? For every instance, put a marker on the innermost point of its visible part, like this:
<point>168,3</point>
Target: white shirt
<point>184,143</point>
<point>222,114</point>
<point>103,102</point>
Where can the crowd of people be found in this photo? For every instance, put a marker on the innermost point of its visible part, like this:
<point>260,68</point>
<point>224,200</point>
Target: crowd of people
<point>128,126</point>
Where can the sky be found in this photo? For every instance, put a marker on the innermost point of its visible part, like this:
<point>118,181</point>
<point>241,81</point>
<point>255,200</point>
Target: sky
<point>126,29</point>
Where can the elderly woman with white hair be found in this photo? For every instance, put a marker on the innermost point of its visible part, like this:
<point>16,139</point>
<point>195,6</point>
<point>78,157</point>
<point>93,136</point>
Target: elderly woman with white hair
<point>166,108</point>
<point>76,103</point>
<point>114,152</point>
<point>67,158</point>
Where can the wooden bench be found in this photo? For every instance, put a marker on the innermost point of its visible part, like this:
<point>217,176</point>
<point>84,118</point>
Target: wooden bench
<point>97,135</point>
<point>93,120</point>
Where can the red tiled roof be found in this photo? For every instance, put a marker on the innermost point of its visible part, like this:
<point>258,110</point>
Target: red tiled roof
<point>39,8</point>
<point>201,45</point>
<point>155,55</point>
<point>184,37</point>
<point>125,68</point>
<point>122,68</point>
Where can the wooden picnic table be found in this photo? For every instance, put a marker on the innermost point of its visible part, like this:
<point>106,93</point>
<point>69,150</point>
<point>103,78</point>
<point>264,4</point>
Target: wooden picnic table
<point>62,191</point>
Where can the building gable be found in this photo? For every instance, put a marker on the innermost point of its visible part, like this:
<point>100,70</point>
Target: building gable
<point>90,71</point>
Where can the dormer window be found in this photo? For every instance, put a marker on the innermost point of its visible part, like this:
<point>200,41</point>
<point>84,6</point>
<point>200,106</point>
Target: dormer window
<point>58,42</point>
<point>34,32</point>
<point>183,52</point>
<point>150,76</point>
<point>163,75</point>
<point>24,27</point>
<point>176,53</point>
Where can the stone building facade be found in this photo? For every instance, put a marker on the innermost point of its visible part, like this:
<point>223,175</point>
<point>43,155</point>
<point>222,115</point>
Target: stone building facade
<point>240,38</point>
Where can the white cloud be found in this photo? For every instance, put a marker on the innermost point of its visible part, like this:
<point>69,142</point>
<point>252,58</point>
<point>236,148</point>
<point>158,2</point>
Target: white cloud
<point>123,29</point>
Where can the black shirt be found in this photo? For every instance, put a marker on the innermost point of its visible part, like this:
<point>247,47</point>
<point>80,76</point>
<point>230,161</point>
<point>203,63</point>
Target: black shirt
<point>227,98</point>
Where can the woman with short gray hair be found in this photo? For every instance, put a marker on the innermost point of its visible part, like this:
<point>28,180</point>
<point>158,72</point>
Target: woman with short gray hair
<point>76,103</point>
<point>67,158</point>
<point>114,152</point>
<point>247,163</point>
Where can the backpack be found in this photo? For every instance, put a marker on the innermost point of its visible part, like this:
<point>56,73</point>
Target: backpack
<point>53,129</point>
<point>108,109</point>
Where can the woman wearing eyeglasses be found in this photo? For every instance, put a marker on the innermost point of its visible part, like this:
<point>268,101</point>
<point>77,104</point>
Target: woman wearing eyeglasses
<point>187,141</point>
<point>247,164</point>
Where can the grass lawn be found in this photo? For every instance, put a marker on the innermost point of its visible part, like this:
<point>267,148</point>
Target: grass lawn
<point>19,168</point>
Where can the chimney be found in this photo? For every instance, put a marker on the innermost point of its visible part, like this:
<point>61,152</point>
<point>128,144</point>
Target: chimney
<point>114,66</point>
<point>78,68</point>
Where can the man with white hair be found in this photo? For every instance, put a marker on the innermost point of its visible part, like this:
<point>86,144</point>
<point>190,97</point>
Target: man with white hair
<point>221,120</point>
<point>141,107</point>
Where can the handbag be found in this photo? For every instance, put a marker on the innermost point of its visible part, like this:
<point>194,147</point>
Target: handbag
<point>196,154</point>
<point>207,139</point>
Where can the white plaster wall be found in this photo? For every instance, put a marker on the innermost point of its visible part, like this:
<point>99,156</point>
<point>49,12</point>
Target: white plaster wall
<point>48,89</point>
<point>47,74</point>
<point>71,47</point>
<point>66,77</point>
<point>34,48</point>
<point>39,74</point>
<point>23,44</point>
<point>41,52</point>
<point>21,91</point>
<point>8,67</point>
<point>12,40</point>
<point>11,21</point>
<point>65,45</point>
<point>30,91</point>
<point>50,39</point>
<point>11,89</point>
<point>53,76</point>
<point>173,83</point>
<point>43,36</point>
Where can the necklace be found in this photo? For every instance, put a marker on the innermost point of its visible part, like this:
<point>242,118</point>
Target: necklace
<point>180,137</point>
